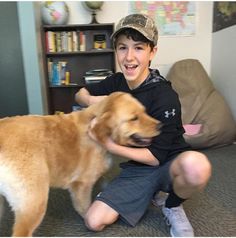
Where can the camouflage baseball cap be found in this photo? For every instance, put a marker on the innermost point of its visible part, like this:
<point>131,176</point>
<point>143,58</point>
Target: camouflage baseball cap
<point>141,23</point>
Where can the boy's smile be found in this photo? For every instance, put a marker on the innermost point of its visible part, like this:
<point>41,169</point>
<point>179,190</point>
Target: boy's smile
<point>133,58</point>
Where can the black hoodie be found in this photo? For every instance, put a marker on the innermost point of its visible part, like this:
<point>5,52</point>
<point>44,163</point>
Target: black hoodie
<point>160,101</point>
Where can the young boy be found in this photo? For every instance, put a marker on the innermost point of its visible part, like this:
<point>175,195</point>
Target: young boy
<point>168,164</point>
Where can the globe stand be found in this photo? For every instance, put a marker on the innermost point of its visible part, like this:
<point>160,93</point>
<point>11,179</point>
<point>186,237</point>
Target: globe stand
<point>94,20</point>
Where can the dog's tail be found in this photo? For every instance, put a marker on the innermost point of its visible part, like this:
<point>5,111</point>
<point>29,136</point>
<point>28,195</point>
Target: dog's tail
<point>1,206</point>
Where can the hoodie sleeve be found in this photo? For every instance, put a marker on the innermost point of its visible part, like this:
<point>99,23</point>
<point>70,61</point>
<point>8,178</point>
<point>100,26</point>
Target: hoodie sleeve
<point>167,109</point>
<point>113,83</point>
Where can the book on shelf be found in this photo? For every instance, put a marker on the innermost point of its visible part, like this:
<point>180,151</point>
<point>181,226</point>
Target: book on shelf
<point>69,41</point>
<point>75,41</point>
<point>58,44</point>
<point>50,41</point>
<point>58,73</point>
<point>65,41</point>
<point>82,41</point>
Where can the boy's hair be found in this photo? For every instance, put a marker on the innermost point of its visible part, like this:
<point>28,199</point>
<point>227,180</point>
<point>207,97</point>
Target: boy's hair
<point>135,36</point>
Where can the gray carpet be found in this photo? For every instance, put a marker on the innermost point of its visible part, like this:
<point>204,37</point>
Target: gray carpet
<point>211,212</point>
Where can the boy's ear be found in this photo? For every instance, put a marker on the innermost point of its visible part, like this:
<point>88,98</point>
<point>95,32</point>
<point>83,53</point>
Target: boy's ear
<point>103,127</point>
<point>153,53</point>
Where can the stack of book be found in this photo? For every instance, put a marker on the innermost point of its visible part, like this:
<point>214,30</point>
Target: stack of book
<point>96,75</point>
<point>65,41</point>
<point>58,73</point>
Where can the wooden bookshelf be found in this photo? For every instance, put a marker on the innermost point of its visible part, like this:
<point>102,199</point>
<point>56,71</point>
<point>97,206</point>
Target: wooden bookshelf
<point>78,59</point>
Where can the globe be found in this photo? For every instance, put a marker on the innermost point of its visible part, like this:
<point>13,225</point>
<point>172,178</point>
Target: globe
<point>93,6</point>
<point>54,13</point>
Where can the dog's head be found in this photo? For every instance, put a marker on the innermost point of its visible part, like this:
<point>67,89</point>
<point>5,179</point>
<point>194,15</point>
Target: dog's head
<point>121,117</point>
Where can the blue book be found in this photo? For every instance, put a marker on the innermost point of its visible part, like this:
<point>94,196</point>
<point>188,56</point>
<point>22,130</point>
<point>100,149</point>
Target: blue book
<point>55,75</point>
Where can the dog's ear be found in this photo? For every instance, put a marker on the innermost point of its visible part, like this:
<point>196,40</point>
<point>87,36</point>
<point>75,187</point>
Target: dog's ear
<point>103,127</point>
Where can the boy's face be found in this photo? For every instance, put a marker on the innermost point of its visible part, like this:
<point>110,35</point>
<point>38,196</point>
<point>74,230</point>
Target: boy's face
<point>133,58</point>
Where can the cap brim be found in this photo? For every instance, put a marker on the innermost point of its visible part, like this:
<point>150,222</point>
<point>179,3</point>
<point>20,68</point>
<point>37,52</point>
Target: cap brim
<point>129,27</point>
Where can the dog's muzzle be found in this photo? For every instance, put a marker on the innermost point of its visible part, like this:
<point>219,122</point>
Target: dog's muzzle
<point>140,141</point>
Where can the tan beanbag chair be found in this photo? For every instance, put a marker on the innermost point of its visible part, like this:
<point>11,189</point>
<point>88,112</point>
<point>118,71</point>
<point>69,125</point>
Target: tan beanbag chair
<point>206,116</point>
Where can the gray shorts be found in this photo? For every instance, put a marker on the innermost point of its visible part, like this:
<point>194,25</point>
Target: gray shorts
<point>132,191</point>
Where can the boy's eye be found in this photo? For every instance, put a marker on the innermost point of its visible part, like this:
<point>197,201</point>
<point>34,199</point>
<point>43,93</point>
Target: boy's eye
<point>139,48</point>
<point>122,48</point>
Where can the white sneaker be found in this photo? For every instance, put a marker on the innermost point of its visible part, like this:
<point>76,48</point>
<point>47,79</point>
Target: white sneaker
<point>159,199</point>
<point>176,218</point>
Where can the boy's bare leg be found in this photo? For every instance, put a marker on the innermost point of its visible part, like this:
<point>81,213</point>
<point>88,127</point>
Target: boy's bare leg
<point>190,172</point>
<point>99,215</point>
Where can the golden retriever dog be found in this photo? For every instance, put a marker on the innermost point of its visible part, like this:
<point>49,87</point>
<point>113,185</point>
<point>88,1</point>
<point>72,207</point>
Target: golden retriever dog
<point>39,152</point>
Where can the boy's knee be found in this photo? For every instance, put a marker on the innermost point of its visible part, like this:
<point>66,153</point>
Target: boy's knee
<point>197,168</point>
<point>99,215</point>
<point>92,223</point>
<point>201,169</point>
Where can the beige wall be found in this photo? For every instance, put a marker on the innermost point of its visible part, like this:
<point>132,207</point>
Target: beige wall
<point>215,51</point>
<point>171,49</point>
<point>223,64</point>
<point>216,54</point>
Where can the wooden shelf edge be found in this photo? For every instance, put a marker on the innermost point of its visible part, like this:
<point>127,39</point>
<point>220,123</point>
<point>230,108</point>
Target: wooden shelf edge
<point>103,51</point>
<point>67,86</point>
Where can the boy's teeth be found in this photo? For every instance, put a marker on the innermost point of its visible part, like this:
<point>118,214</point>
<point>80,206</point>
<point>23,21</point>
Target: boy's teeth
<point>130,66</point>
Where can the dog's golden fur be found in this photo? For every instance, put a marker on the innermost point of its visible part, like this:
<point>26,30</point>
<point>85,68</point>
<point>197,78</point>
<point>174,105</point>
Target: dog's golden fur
<point>39,152</point>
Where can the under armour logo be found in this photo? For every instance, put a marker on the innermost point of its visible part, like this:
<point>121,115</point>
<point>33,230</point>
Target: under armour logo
<point>171,113</point>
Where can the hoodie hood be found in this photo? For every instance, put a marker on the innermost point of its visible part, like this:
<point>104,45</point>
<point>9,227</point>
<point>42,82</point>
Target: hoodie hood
<point>153,79</point>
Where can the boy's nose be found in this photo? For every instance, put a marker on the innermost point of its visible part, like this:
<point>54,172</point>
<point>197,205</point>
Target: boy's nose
<point>129,54</point>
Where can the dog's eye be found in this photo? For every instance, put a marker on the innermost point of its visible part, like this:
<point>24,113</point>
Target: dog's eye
<point>134,118</point>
